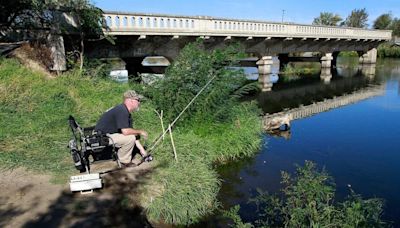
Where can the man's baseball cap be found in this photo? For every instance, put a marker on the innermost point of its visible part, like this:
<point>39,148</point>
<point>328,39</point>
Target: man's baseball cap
<point>133,95</point>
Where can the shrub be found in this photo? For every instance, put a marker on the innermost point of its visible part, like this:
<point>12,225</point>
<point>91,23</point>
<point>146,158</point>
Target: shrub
<point>307,200</point>
<point>96,68</point>
<point>193,68</point>
<point>348,54</point>
<point>388,51</point>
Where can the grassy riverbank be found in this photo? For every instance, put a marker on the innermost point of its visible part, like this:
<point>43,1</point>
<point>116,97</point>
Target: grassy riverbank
<point>34,134</point>
<point>387,50</point>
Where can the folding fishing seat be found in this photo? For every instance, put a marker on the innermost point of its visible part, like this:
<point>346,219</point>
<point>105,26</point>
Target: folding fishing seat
<point>87,142</point>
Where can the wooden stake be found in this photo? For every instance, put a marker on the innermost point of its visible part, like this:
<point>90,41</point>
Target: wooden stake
<point>172,141</point>
<point>162,122</point>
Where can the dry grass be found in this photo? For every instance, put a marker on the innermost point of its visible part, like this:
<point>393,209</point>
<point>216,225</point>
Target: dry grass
<point>36,57</point>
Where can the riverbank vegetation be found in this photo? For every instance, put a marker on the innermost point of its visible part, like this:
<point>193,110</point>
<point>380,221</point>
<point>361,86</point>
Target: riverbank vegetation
<point>296,69</point>
<point>307,200</point>
<point>387,50</point>
<point>34,131</point>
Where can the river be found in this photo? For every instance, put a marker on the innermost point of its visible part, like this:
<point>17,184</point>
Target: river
<point>358,143</point>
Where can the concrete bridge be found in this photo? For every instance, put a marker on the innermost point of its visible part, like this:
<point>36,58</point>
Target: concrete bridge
<point>141,35</point>
<point>327,104</point>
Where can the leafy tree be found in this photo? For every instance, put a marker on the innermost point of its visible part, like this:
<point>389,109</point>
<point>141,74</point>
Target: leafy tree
<point>395,26</point>
<point>25,14</point>
<point>383,21</point>
<point>89,20</point>
<point>326,18</point>
<point>358,19</point>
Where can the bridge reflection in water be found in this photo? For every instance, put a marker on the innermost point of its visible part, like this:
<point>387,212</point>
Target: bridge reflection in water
<point>312,95</point>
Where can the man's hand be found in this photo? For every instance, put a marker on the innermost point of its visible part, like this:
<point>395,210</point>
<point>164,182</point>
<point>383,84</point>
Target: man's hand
<point>131,131</point>
<point>144,134</point>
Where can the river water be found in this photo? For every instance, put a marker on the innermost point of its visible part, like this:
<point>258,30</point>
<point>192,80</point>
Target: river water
<point>358,144</point>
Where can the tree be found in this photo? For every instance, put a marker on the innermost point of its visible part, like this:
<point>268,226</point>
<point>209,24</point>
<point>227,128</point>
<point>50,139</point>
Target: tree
<point>326,18</point>
<point>90,23</point>
<point>383,21</point>
<point>22,14</point>
<point>395,26</point>
<point>358,19</point>
<point>40,15</point>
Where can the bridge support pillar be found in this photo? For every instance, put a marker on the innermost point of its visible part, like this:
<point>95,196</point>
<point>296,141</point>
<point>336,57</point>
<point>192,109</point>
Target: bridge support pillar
<point>369,57</point>
<point>326,75</point>
<point>57,50</point>
<point>265,65</point>
<point>264,72</point>
<point>326,60</point>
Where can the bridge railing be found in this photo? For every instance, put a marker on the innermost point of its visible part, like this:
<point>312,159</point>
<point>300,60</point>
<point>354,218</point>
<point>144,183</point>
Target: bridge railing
<point>150,24</point>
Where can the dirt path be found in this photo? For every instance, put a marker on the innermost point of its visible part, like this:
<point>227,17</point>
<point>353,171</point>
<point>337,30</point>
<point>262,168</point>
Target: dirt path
<point>30,200</point>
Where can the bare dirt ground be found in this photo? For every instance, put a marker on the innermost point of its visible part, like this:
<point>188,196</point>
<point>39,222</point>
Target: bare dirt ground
<point>28,199</point>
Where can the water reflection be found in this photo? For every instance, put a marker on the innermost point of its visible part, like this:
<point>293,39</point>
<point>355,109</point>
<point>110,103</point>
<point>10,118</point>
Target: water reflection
<point>358,143</point>
<point>267,80</point>
<point>368,70</point>
<point>326,75</point>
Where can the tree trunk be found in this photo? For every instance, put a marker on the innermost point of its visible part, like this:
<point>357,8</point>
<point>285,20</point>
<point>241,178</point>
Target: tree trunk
<point>81,54</point>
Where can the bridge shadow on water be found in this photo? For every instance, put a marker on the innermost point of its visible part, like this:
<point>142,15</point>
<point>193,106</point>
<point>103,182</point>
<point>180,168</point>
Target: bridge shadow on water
<point>113,206</point>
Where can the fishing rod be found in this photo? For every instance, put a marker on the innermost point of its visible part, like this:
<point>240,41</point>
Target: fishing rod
<point>148,157</point>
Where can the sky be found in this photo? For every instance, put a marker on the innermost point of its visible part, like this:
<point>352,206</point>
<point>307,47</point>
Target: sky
<point>296,11</point>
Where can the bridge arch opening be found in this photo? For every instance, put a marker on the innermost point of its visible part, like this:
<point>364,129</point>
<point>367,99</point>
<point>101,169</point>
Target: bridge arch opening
<point>148,22</point>
<point>117,21</point>
<point>125,21</point>
<point>133,20</point>
<point>155,23</point>
<point>140,21</point>
<point>162,23</point>
<point>136,66</point>
<point>109,21</point>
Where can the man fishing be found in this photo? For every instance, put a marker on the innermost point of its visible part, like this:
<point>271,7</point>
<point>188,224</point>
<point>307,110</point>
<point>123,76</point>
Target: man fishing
<point>117,124</point>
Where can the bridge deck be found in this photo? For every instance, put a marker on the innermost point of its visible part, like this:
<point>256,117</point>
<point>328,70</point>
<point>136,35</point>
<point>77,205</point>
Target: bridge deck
<point>170,25</point>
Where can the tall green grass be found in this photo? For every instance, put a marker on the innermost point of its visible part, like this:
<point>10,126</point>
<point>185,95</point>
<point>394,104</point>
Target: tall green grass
<point>386,50</point>
<point>191,184</point>
<point>34,133</point>
<point>34,111</point>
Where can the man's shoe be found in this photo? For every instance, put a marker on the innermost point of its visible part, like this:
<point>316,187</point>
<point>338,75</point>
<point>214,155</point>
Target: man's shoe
<point>126,165</point>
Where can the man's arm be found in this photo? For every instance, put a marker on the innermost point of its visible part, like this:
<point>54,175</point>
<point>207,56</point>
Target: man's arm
<point>131,131</point>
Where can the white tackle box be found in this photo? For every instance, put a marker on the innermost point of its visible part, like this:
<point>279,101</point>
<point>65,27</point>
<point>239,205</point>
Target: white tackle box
<point>86,182</point>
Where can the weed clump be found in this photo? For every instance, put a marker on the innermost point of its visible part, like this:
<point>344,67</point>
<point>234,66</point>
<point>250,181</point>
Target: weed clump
<point>307,200</point>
